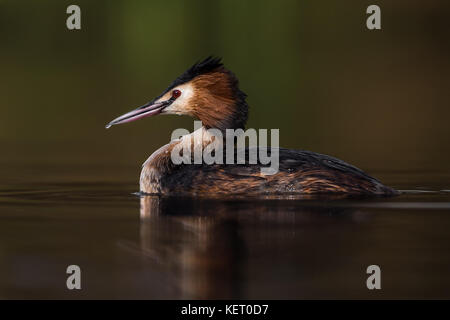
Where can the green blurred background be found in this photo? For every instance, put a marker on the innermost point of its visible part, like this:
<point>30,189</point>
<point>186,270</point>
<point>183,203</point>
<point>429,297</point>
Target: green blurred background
<point>377,99</point>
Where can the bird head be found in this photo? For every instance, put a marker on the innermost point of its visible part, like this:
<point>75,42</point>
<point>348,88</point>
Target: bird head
<point>206,91</point>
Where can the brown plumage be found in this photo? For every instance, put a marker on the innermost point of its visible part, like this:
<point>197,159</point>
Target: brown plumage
<point>300,172</point>
<point>209,92</point>
<point>214,100</point>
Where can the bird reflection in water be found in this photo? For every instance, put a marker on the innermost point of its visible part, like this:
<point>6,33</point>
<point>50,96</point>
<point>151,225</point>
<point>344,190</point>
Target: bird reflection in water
<point>201,250</point>
<point>216,248</point>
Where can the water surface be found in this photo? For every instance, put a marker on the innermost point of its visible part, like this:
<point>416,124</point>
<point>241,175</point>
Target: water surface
<point>171,247</point>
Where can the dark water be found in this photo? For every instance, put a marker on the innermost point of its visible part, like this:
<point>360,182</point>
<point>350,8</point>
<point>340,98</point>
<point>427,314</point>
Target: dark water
<point>151,247</point>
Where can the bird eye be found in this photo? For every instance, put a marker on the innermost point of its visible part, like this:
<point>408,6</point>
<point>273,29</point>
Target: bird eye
<point>176,93</point>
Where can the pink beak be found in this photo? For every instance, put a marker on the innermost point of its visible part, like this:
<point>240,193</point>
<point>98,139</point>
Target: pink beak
<point>146,110</point>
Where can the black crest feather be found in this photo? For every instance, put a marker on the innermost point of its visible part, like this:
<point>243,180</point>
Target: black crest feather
<point>208,65</point>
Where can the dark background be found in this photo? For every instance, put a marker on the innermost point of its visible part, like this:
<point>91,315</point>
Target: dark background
<point>377,99</point>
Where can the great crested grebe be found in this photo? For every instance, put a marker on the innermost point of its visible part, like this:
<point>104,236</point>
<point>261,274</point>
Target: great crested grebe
<point>210,92</point>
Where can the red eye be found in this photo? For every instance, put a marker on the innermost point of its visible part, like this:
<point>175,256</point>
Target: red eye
<point>176,94</point>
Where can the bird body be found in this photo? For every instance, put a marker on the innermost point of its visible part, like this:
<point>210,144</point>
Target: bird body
<point>210,92</point>
<point>300,172</point>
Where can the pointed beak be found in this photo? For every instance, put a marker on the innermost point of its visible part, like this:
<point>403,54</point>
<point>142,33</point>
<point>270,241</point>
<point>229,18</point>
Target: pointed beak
<point>147,110</point>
